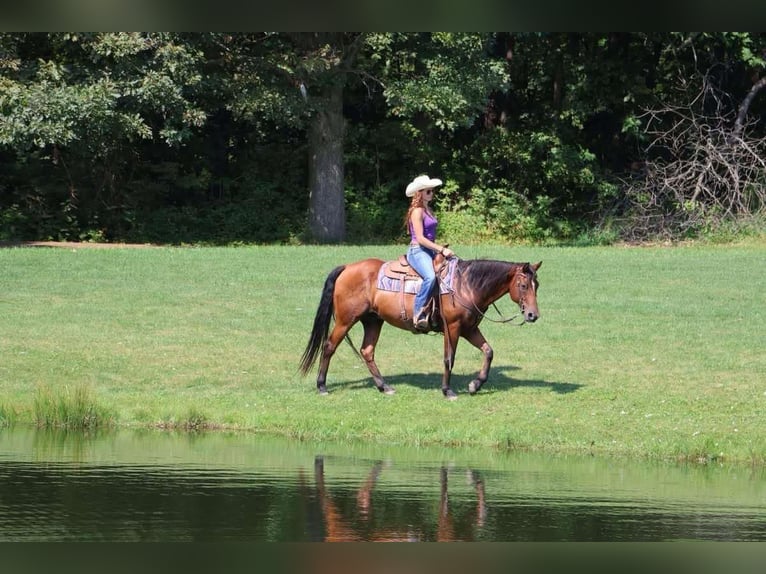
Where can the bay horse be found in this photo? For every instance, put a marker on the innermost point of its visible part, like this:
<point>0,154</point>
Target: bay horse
<point>351,294</point>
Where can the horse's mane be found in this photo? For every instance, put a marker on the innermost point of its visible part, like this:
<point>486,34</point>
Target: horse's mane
<point>484,275</point>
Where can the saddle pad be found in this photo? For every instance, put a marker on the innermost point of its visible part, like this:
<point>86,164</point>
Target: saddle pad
<point>412,285</point>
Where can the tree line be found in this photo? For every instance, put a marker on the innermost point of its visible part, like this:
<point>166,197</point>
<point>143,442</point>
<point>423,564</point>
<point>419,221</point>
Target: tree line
<point>296,137</point>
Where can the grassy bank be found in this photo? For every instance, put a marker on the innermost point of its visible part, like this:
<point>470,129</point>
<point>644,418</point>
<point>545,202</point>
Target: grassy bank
<point>646,352</point>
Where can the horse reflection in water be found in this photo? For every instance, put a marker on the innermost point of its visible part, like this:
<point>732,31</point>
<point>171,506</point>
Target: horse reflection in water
<point>340,528</point>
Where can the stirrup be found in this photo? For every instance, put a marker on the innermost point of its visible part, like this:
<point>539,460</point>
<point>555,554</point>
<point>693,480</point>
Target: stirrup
<point>422,321</point>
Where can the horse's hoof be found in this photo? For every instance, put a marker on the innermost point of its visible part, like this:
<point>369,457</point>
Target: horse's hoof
<point>450,395</point>
<point>472,390</point>
<point>323,391</point>
<point>386,390</point>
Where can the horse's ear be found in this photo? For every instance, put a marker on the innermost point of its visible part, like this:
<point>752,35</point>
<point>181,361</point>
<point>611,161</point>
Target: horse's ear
<point>536,266</point>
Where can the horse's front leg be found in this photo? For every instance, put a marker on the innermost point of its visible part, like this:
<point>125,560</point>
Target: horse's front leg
<point>451,334</point>
<point>477,340</point>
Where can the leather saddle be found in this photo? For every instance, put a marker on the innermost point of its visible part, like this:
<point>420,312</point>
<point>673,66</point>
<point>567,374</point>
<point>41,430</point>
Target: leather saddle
<point>401,269</point>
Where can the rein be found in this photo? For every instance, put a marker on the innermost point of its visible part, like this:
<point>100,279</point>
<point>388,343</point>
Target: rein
<point>474,308</point>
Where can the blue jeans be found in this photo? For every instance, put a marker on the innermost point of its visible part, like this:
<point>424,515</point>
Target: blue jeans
<point>422,260</point>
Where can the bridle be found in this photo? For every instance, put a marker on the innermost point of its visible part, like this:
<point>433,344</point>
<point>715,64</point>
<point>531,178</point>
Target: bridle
<point>523,293</point>
<point>471,306</point>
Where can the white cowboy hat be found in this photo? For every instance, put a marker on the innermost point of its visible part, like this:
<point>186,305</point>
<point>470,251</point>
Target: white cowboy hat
<point>421,182</point>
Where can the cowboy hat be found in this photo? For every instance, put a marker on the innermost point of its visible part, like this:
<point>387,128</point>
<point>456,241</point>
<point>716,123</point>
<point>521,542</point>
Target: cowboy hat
<point>421,182</point>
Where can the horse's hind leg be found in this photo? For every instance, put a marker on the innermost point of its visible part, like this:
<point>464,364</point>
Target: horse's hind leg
<point>372,327</point>
<point>336,336</point>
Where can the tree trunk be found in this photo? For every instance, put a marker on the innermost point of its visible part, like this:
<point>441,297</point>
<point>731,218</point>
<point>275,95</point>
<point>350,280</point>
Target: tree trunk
<point>327,208</point>
<point>739,125</point>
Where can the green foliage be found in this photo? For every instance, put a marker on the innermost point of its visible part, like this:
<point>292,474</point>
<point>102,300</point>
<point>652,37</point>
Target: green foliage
<point>445,76</point>
<point>195,420</point>
<point>256,219</point>
<point>71,408</point>
<point>12,222</point>
<point>8,415</point>
<point>371,216</point>
<point>259,76</point>
<point>528,186</point>
<point>105,135</point>
<point>98,102</point>
<point>464,226</point>
<point>728,231</point>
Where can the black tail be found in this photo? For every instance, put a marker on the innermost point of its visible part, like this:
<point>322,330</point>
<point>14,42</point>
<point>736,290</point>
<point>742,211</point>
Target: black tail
<point>321,322</point>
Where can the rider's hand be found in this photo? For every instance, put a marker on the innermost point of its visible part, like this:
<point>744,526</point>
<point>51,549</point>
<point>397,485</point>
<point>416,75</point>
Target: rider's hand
<point>447,252</point>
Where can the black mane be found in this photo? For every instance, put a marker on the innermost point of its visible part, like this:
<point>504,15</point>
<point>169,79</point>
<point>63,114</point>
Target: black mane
<point>484,275</point>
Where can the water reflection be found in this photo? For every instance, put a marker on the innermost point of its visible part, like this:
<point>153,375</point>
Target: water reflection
<point>361,524</point>
<point>152,486</point>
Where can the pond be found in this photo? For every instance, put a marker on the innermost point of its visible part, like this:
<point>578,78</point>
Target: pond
<point>230,487</point>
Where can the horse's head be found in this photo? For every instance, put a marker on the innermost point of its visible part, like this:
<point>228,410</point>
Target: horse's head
<point>523,290</point>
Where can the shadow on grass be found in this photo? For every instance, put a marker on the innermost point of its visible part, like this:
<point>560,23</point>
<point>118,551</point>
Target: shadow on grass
<point>498,381</point>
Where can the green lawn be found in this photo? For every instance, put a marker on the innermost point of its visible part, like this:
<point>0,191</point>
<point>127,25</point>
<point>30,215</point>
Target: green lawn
<point>645,352</point>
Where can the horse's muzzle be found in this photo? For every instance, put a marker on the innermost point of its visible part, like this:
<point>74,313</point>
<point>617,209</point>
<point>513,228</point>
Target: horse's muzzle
<point>531,316</point>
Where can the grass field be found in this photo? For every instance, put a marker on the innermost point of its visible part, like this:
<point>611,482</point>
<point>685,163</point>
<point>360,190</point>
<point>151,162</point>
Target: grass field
<point>651,352</point>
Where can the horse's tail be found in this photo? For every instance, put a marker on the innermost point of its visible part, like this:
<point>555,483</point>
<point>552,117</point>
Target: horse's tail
<point>322,321</point>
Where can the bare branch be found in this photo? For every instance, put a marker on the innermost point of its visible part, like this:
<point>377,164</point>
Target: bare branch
<point>699,170</point>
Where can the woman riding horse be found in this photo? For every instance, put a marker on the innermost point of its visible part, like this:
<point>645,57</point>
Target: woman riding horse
<point>421,225</point>
<point>351,294</point>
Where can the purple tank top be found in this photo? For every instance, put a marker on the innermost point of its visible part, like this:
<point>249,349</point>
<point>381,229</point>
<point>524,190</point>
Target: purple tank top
<point>429,227</point>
